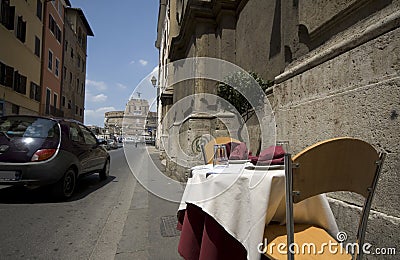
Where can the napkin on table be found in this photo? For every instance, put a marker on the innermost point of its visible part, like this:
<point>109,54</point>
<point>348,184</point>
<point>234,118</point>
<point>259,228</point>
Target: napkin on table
<point>273,155</point>
<point>239,152</point>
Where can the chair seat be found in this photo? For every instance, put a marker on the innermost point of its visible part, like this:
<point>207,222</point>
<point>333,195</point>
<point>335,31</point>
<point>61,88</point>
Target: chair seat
<point>303,234</point>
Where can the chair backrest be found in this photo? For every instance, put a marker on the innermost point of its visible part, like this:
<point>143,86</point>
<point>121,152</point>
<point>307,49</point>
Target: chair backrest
<point>339,164</point>
<point>208,150</point>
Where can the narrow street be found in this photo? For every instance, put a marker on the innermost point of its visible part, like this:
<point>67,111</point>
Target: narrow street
<point>91,225</point>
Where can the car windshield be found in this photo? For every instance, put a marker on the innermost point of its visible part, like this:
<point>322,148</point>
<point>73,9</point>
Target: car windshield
<point>28,127</point>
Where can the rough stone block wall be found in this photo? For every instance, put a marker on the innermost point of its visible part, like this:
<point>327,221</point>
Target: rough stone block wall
<point>254,51</point>
<point>355,94</point>
<point>313,14</point>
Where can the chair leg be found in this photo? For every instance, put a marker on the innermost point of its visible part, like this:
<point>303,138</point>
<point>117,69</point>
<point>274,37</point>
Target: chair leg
<point>289,204</point>
<point>362,227</point>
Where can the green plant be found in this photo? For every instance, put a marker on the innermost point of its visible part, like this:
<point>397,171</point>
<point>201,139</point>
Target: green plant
<point>246,107</point>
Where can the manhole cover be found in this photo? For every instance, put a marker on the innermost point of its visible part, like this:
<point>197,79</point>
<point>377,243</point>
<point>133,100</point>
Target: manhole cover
<point>168,226</point>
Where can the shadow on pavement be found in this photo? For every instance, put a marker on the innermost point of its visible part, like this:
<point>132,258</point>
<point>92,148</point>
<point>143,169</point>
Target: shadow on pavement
<point>22,195</point>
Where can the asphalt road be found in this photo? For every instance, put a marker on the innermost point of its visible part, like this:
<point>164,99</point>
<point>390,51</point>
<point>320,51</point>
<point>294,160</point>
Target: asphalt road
<point>88,226</point>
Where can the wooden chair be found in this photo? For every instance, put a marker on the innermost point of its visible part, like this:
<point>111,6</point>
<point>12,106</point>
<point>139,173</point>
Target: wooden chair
<point>340,164</point>
<point>208,149</point>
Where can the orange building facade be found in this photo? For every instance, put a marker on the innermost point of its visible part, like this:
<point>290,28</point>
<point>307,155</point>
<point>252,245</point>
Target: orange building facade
<point>52,56</point>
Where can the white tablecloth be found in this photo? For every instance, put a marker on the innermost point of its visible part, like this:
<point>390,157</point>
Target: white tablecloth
<point>243,201</point>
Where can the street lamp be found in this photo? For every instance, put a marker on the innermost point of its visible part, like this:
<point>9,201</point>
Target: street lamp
<point>153,81</point>
<point>154,133</point>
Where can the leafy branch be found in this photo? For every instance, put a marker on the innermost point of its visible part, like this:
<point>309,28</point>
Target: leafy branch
<point>228,90</point>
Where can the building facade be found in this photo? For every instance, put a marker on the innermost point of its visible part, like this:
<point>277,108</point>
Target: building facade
<point>20,56</point>
<point>76,30</point>
<point>113,123</point>
<point>34,76</point>
<point>335,67</point>
<point>135,122</point>
<point>52,50</point>
<point>135,118</point>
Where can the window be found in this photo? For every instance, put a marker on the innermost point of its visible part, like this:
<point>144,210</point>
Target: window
<point>54,28</point>
<point>7,14</point>
<point>2,108</point>
<point>79,61</point>
<point>6,75</point>
<point>70,77</point>
<point>21,29</point>
<point>47,104</point>
<point>55,99</point>
<point>80,112</point>
<point>39,9</point>
<point>58,34</point>
<point>30,127</point>
<point>83,66</point>
<point>65,73</point>
<point>66,46</point>
<point>63,101</point>
<point>35,92</point>
<point>57,67</point>
<point>59,8</point>
<point>50,64</point>
<point>79,35</point>
<point>75,133</point>
<point>88,135</point>
<point>77,85</point>
<point>69,104</point>
<point>15,109</point>
<point>76,110</point>
<point>37,46</point>
<point>83,43</point>
<point>72,53</point>
<point>19,83</point>
<point>52,23</point>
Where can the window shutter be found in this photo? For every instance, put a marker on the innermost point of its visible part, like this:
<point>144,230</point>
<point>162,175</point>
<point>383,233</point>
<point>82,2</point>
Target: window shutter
<point>2,73</point>
<point>11,18</point>
<point>22,86</point>
<point>32,90</point>
<point>38,96</point>
<point>9,73</point>
<point>23,31</point>
<point>16,81</point>
<point>39,9</point>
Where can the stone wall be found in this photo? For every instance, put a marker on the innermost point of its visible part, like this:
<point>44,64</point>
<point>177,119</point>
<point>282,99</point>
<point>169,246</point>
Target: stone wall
<point>336,67</point>
<point>259,49</point>
<point>357,94</point>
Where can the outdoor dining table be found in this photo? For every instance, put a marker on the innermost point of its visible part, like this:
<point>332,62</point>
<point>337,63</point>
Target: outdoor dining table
<point>224,210</point>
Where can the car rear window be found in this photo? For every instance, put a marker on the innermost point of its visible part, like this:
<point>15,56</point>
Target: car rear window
<point>29,127</point>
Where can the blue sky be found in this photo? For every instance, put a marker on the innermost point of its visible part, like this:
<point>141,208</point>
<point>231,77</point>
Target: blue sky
<point>121,53</point>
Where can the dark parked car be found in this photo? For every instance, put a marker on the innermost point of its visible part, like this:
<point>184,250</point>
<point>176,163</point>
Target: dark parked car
<point>37,151</point>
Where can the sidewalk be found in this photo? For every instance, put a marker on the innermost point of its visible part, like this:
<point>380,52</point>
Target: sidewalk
<point>150,228</point>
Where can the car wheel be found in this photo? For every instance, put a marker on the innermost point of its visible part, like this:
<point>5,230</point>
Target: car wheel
<point>65,187</point>
<point>105,172</point>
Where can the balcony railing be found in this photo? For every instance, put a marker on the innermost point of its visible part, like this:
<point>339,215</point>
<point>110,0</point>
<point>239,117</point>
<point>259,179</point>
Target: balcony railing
<point>52,111</point>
